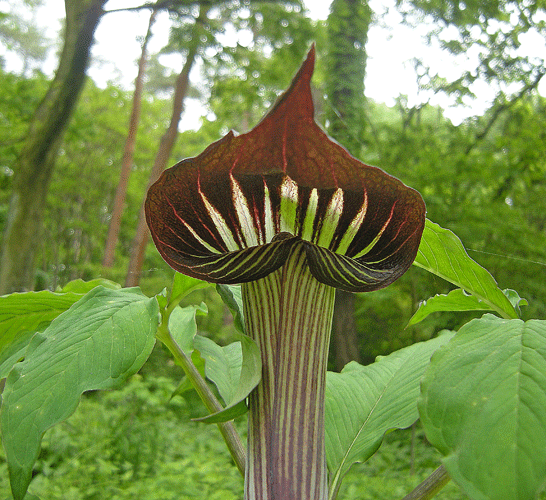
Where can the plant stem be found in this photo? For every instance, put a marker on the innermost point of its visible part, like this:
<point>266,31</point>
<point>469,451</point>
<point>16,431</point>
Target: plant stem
<point>227,429</point>
<point>289,315</point>
<point>430,486</point>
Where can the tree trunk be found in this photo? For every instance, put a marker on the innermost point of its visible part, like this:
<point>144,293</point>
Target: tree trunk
<point>348,25</point>
<point>128,154</point>
<point>36,161</point>
<point>166,144</point>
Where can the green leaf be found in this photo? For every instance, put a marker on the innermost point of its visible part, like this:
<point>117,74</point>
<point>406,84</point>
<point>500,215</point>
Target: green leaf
<point>483,405</point>
<point>184,285</point>
<point>183,327</point>
<point>364,402</point>
<point>222,365</point>
<point>22,315</point>
<point>232,297</point>
<point>515,299</point>
<point>443,254</point>
<point>230,412</point>
<point>456,300</point>
<point>80,286</point>
<point>459,300</point>
<point>99,342</point>
<point>235,370</point>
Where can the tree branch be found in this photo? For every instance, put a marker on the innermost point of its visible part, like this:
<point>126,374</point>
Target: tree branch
<point>173,4</point>
<point>162,4</point>
<point>503,107</point>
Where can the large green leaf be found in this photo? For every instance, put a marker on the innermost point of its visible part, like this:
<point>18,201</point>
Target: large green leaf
<point>99,342</point>
<point>443,254</point>
<point>23,314</point>
<point>80,286</point>
<point>184,285</point>
<point>364,402</point>
<point>483,406</point>
<point>30,311</point>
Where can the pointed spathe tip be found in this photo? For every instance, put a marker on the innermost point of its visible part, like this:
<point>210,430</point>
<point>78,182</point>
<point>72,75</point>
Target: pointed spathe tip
<point>297,98</point>
<point>309,63</point>
<point>305,73</point>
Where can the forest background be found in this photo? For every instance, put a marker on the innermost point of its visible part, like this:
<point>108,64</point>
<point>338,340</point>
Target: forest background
<point>483,177</point>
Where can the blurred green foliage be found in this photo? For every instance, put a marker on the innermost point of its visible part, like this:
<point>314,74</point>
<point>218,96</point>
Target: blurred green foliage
<point>133,443</point>
<point>140,443</point>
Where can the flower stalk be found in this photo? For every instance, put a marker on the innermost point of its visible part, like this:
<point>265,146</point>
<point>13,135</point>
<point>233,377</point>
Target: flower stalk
<point>289,315</point>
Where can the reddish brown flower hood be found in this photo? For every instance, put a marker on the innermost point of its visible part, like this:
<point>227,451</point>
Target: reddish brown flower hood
<point>232,214</point>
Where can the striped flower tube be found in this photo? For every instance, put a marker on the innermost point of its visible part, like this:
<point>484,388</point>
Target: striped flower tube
<point>291,215</point>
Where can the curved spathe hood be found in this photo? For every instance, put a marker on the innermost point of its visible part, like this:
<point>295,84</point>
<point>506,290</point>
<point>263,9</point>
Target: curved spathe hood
<point>233,213</point>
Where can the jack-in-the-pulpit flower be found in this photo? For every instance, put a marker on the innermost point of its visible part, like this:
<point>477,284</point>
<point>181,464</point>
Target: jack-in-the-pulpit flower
<point>291,215</point>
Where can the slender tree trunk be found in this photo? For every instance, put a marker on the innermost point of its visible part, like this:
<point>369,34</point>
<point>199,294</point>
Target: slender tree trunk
<point>128,154</point>
<point>348,25</point>
<point>166,144</point>
<point>36,161</point>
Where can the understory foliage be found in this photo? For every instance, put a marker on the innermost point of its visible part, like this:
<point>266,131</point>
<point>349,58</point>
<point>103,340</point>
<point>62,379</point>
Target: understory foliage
<point>140,443</point>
